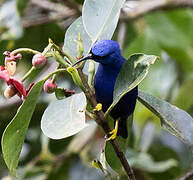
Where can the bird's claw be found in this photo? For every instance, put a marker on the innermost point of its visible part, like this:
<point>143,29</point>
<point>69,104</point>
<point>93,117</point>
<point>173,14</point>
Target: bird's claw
<point>98,107</point>
<point>113,132</point>
<point>113,136</point>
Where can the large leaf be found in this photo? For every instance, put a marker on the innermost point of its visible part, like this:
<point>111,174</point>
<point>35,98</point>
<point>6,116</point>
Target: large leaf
<point>100,17</point>
<point>64,118</point>
<point>14,134</point>
<point>71,37</point>
<point>173,119</point>
<point>111,156</point>
<point>147,136</point>
<point>160,152</point>
<point>143,43</point>
<point>132,73</point>
<point>183,99</point>
<point>145,162</point>
<point>177,38</point>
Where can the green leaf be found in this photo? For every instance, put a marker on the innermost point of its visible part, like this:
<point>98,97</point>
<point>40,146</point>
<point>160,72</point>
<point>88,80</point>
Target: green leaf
<point>20,5</point>
<point>145,162</point>
<point>173,119</point>
<point>100,17</point>
<point>104,28</point>
<point>177,38</point>
<point>71,37</point>
<point>64,118</point>
<point>111,157</point>
<point>14,134</point>
<point>60,94</point>
<point>183,99</point>
<point>132,73</point>
<point>160,153</point>
<point>147,136</point>
<point>143,43</point>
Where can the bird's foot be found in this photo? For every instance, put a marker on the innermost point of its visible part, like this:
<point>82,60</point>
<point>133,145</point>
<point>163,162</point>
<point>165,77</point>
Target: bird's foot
<point>98,107</point>
<point>113,134</point>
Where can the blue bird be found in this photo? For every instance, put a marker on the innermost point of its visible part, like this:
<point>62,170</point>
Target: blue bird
<point>108,54</point>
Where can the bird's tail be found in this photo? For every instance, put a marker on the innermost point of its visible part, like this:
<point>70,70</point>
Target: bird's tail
<point>122,128</point>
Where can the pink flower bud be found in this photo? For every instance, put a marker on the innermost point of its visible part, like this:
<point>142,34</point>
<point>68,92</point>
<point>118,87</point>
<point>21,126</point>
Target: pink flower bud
<point>12,57</point>
<point>7,53</point>
<point>14,86</point>
<point>18,56</point>
<point>38,60</point>
<point>10,91</point>
<point>49,86</point>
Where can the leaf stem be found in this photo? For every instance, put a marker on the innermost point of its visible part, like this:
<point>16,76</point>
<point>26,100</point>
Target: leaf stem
<point>59,58</point>
<point>26,50</point>
<point>47,48</point>
<point>55,72</point>
<point>91,71</point>
<point>65,52</point>
<point>28,74</point>
<point>54,78</point>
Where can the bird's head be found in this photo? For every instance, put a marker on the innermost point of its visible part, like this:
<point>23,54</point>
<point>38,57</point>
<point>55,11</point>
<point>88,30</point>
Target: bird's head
<point>106,52</point>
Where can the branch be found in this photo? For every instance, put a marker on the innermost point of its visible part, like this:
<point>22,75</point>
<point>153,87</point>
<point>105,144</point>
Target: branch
<point>188,175</point>
<point>136,9</point>
<point>73,5</point>
<point>101,121</point>
<point>57,7</point>
<point>121,34</point>
<point>131,10</point>
<point>52,12</point>
<point>28,22</point>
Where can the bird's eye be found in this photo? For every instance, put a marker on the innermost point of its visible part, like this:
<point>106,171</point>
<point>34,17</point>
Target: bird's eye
<point>98,57</point>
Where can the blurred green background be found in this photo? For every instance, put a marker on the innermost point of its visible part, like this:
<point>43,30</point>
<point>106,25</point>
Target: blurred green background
<point>166,33</point>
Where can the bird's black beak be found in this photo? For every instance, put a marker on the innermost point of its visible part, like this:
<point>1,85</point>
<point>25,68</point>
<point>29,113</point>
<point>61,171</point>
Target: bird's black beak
<point>83,59</point>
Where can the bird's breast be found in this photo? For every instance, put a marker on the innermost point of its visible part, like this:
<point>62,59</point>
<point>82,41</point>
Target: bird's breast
<point>104,86</point>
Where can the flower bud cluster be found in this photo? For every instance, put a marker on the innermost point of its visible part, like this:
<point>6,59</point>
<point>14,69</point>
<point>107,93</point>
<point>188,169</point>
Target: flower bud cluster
<point>6,72</point>
<point>50,86</point>
<point>38,60</point>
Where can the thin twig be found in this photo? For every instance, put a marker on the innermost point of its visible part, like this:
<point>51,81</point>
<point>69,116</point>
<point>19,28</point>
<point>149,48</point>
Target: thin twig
<point>73,5</point>
<point>136,9</point>
<point>28,22</point>
<point>131,10</point>
<point>122,33</point>
<point>100,121</point>
<point>188,175</point>
<point>57,7</point>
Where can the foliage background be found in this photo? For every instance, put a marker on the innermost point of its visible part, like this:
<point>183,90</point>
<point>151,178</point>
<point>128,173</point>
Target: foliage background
<point>166,33</point>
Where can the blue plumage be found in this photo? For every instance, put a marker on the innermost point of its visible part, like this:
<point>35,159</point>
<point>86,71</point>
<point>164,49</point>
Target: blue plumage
<point>107,53</point>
